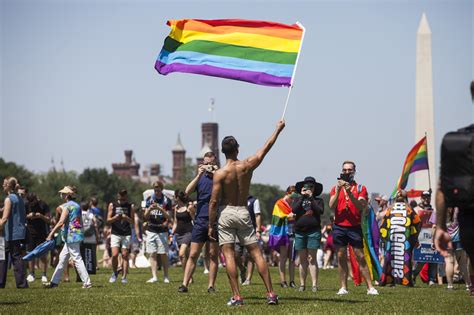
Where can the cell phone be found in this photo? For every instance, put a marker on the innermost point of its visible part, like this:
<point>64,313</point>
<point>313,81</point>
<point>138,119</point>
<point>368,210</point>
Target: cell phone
<point>345,177</point>
<point>143,204</point>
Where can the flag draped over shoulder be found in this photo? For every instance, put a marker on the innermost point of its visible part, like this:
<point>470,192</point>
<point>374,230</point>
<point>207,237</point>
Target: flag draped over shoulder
<point>371,238</point>
<point>417,160</point>
<point>279,226</point>
<point>258,52</point>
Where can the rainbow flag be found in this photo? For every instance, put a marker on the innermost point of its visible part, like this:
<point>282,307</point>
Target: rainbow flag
<point>417,160</point>
<point>371,233</point>
<point>279,226</point>
<point>258,52</point>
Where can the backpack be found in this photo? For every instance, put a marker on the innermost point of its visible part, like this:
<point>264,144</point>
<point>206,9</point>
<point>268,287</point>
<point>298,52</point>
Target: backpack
<point>457,168</point>
<point>88,225</point>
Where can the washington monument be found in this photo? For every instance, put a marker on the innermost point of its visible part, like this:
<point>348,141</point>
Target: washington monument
<point>424,103</point>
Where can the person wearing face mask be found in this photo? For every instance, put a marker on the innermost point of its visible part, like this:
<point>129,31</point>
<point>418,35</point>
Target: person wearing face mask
<point>282,235</point>
<point>308,209</point>
<point>349,200</point>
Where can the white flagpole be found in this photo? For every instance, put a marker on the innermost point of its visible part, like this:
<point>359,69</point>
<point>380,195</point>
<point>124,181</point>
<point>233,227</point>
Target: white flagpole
<point>294,70</point>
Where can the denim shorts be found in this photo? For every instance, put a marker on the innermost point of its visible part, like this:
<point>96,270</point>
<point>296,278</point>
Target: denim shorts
<point>311,240</point>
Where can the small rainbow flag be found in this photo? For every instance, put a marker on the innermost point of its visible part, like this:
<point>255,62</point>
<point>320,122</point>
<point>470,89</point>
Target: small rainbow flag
<point>417,160</point>
<point>258,52</point>
<point>279,225</point>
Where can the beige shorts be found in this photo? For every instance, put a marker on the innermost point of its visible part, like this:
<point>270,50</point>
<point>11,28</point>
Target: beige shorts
<point>235,223</point>
<point>120,241</point>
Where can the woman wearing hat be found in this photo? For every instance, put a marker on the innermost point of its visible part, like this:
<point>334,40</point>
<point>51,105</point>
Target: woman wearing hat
<point>308,209</point>
<point>72,234</point>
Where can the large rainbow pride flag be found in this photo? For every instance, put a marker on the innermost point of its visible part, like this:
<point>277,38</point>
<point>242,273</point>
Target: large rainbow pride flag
<point>417,160</point>
<point>279,226</point>
<point>258,52</point>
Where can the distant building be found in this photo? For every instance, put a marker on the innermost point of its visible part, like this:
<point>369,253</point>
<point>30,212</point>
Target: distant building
<point>210,140</point>
<point>179,160</point>
<point>130,168</point>
<point>210,136</point>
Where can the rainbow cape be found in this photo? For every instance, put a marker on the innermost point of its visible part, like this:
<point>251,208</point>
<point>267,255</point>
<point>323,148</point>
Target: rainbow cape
<point>258,52</point>
<point>279,226</point>
<point>417,160</point>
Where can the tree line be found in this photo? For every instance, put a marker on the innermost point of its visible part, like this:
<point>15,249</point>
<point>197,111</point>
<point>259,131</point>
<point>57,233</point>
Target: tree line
<point>99,183</point>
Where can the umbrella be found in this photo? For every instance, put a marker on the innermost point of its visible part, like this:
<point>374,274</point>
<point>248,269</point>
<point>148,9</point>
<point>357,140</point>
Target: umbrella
<point>40,250</point>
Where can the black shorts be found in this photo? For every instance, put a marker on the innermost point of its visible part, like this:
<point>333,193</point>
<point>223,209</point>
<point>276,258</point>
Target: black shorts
<point>466,231</point>
<point>34,241</point>
<point>200,232</point>
<point>343,235</point>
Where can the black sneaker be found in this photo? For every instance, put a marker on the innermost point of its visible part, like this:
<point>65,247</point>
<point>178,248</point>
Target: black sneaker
<point>272,299</point>
<point>50,285</point>
<point>211,290</point>
<point>183,289</point>
<point>292,284</point>
<point>284,284</point>
<point>234,302</point>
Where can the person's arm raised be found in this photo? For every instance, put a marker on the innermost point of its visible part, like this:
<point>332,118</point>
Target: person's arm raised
<point>255,160</point>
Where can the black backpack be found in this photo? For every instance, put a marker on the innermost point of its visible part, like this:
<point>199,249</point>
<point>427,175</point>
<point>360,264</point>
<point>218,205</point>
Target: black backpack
<point>457,168</point>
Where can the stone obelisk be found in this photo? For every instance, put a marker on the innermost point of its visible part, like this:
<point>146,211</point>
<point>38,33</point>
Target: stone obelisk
<point>424,103</point>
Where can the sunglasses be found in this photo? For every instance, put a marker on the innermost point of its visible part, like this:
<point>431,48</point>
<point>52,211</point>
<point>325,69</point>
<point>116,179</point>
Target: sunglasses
<point>308,186</point>
<point>347,170</point>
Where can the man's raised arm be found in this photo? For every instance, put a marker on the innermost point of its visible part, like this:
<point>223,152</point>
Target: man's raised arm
<point>256,159</point>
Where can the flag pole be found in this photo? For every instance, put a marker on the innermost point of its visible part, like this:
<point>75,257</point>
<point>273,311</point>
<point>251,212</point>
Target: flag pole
<point>428,163</point>
<point>294,69</point>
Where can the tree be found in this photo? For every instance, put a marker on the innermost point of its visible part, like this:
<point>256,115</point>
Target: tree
<point>25,177</point>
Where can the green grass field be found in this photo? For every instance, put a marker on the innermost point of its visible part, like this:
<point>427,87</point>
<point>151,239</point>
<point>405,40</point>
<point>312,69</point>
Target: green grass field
<point>137,296</point>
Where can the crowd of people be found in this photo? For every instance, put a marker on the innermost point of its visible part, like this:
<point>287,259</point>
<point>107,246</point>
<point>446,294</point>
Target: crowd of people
<point>222,227</point>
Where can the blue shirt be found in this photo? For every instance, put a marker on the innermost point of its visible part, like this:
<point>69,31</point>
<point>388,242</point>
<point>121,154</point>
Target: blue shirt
<point>204,191</point>
<point>96,211</point>
<point>15,227</point>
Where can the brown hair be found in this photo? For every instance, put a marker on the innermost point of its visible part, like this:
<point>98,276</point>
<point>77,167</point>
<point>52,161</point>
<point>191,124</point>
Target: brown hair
<point>349,162</point>
<point>158,184</point>
<point>290,189</point>
<point>123,193</point>
<point>210,154</point>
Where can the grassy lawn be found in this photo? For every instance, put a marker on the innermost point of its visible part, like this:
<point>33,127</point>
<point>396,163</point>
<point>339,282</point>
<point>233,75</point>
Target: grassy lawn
<point>138,296</point>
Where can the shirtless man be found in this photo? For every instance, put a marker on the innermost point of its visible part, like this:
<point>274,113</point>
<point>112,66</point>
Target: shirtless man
<point>231,183</point>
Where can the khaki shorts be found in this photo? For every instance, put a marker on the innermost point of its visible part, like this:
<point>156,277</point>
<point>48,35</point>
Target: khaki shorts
<point>235,223</point>
<point>120,241</point>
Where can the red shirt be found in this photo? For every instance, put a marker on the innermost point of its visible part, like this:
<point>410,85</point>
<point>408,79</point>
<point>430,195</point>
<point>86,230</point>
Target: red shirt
<point>346,213</point>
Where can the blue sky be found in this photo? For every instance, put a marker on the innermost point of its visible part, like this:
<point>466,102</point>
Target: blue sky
<point>78,84</point>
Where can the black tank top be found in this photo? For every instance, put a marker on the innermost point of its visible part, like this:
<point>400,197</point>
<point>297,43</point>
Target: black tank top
<point>122,227</point>
<point>184,222</point>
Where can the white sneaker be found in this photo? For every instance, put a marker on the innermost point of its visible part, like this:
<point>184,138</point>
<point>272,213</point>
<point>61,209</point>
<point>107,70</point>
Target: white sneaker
<point>30,278</point>
<point>206,271</point>
<point>342,291</point>
<point>152,280</point>
<point>113,278</point>
<point>124,280</point>
<point>44,279</point>
<point>372,291</point>
<point>87,285</point>
<point>246,282</point>
<point>166,280</point>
